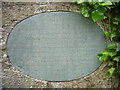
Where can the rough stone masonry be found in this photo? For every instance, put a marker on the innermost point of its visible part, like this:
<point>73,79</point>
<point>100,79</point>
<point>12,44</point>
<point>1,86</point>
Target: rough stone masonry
<point>12,14</point>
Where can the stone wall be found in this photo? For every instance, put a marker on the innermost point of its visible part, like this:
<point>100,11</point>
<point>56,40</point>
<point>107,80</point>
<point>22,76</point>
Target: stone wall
<point>12,14</point>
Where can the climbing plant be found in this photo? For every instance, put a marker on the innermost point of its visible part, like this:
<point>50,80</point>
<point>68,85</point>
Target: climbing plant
<point>109,13</point>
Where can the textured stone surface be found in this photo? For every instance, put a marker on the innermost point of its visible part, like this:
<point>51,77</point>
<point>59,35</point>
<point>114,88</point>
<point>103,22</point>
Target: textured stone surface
<point>13,13</point>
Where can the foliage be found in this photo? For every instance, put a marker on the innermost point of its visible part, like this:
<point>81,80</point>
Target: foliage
<point>110,12</point>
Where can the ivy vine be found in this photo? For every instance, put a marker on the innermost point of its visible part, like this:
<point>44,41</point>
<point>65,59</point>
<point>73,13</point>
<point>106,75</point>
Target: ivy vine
<point>108,12</point>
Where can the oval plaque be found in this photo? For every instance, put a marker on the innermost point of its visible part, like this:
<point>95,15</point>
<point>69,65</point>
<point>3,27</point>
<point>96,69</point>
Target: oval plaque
<point>56,46</point>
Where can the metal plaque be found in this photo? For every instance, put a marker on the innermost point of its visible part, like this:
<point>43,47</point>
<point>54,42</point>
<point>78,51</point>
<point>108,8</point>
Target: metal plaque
<point>56,46</point>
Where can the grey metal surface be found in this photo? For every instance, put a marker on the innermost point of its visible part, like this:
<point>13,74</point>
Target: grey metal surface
<point>56,46</point>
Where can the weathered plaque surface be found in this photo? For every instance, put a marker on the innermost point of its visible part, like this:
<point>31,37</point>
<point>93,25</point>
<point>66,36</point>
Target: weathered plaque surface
<point>56,46</point>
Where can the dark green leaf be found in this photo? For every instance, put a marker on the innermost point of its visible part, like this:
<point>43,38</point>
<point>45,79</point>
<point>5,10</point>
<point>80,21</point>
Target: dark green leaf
<point>106,52</point>
<point>101,9</point>
<point>113,27</point>
<point>117,19</point>
<point>99,55</point>
<point>107,34</point>
<point>97,15</point>
<point>103,58</point>
<point>96,6</point>
<point>113,53</point>
<point>113,34</point>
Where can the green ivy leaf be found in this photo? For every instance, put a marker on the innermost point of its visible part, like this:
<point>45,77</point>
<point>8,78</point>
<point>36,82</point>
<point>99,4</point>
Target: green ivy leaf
<point>117,58</point>
<point>106,3</point>
<point>111,72</point>
<point>103,57</point>
<point>113,53</point>
<point>113,27</point>
<point>110,63</point>
<point>97,15</point>
<point>95,6</point>
<point>113,34</point>
<point>99,55</point>
<point>109,52</point>
<point>117,19</point>
<point>106,52</point>
<point>107,34</point>
<point>101,9</point>
<point>116,23</point>
<point>85,11</point>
